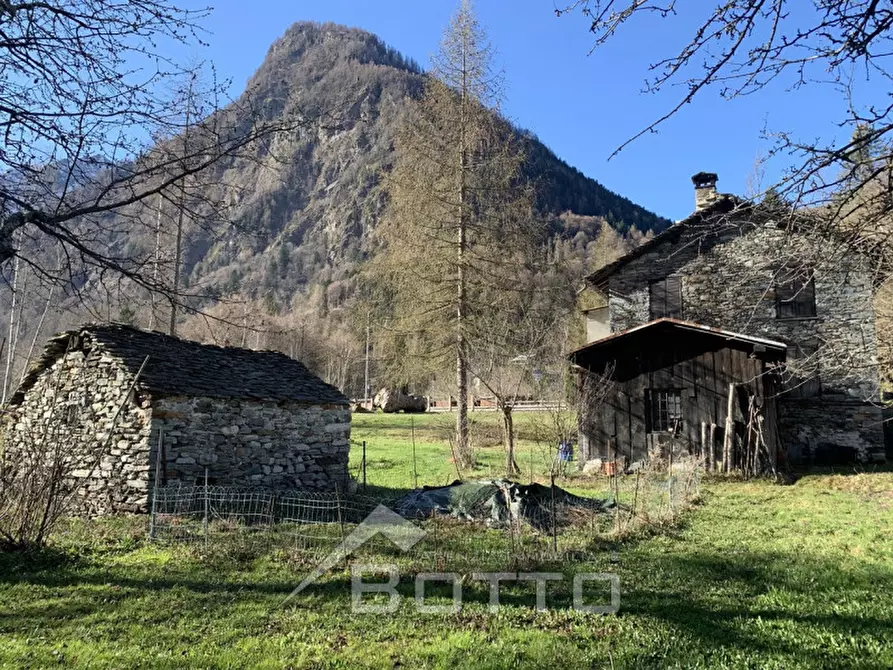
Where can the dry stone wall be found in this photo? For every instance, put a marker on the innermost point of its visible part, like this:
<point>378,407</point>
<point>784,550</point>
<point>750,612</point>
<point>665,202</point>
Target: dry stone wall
<point>254,443</point>
<point>833,431</point>
<point>70,412</point>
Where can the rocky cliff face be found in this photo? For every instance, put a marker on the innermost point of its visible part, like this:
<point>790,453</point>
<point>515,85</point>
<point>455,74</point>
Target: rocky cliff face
<point>316,195</point>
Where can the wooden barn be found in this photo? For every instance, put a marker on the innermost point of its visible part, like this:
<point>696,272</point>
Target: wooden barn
<point>675,387</point>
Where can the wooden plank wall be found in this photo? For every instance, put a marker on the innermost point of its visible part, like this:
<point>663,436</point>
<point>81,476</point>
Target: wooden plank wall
<point>703,378</point>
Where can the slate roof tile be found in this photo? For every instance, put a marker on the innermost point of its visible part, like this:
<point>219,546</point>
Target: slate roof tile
<point>182,367</point>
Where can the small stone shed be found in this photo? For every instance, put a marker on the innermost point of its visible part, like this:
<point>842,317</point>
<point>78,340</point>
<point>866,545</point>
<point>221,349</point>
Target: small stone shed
<point>253,418</point>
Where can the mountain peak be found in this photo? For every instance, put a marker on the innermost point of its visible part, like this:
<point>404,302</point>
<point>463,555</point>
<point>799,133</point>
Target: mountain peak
<point>337,42</point>
<point>308,219</point>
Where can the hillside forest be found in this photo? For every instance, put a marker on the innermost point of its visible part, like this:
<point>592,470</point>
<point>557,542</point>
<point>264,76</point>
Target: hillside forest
<point>269,250</point>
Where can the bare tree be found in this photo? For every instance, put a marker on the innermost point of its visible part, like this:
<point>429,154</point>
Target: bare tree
<point>523,336</point>
<point>741,47</point>
<point>89,126</point>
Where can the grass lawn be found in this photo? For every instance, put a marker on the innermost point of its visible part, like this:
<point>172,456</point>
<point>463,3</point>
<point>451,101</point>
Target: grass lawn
<point>757,576</point>
<point>389,440</point>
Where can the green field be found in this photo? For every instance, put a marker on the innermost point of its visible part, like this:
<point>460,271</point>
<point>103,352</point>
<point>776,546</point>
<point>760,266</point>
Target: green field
<point>389,439</point>
<point>758,575</point>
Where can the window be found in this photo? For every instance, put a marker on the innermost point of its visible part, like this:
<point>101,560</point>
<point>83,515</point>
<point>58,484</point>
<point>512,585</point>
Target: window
<point>666,298</point>
<point>665,410</point>
<point>795,293</point>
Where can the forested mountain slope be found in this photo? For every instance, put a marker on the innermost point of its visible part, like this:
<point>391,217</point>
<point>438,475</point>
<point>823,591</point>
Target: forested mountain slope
<point>281,269</point>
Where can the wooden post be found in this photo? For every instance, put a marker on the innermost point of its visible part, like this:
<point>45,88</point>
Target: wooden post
<point>711,458</point>
<point>364,465</point>
<point>703,453</point>
<point>154,512</point>
<point>415,472</point>
<point>554,527</point>
<point>728,438</point>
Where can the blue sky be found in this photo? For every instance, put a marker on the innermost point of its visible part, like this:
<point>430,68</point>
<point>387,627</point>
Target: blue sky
<point>582,106</point>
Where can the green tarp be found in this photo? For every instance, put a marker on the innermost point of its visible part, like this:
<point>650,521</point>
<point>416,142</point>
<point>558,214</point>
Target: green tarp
<point>496,502</point>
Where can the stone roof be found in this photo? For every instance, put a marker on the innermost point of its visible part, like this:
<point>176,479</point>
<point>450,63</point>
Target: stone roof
<point>724,204</point>
<point>727,207</point>
<point>181,367</point>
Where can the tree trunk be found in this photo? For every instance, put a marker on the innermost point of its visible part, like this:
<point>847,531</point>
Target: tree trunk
<point>178,248</point>
<point>156,262</point>
<point>463,450</point>
<point>13,326</point>
<point>508,434</point>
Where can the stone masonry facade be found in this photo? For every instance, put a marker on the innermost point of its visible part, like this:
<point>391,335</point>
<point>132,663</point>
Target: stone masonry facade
<point>727,276</point>
<point>271,444</point>
<point>68,411</point>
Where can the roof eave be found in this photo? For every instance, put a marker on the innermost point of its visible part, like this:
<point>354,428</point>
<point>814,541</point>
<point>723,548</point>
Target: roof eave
<point>777,346</point>
<point>599,278</point>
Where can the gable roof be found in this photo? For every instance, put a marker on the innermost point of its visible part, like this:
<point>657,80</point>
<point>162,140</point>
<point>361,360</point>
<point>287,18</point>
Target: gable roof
<point>803,220</point>
<point>181,367</point>
<point>640,337</point>
<point>723,205</point>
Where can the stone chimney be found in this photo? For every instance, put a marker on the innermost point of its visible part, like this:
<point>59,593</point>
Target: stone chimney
<point>705,189</point>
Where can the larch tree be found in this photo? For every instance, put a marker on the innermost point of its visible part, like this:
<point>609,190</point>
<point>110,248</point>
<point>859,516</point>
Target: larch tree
<point>459,213</point>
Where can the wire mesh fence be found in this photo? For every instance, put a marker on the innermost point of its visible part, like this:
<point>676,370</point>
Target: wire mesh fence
<point>518,533</point>
<point>313,525</point>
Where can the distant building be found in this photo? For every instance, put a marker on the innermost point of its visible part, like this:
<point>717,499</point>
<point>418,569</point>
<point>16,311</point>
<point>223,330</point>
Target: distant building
<point>733,280</point>
<point>254,418</point>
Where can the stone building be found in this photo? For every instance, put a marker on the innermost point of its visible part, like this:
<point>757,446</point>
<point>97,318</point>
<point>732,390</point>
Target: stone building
<point>122,404</point>
<point>754,271</point>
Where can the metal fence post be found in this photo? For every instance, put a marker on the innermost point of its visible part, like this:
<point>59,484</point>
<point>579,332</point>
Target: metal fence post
<point>364,465</point>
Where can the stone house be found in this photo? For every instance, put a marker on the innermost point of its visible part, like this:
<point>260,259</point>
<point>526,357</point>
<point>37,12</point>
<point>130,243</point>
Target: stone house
<point>123,403</point>
<point>753,272</point>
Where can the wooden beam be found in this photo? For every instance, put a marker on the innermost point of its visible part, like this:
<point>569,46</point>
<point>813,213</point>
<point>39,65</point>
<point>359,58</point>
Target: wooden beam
<point>728,438</point>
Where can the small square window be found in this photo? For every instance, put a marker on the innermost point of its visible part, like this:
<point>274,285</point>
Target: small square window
<point>795,293</point>
<point>665,410</point>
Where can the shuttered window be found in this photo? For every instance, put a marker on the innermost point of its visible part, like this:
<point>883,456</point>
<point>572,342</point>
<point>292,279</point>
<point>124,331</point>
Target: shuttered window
<point>666,298</point>
<point>795,293</point>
